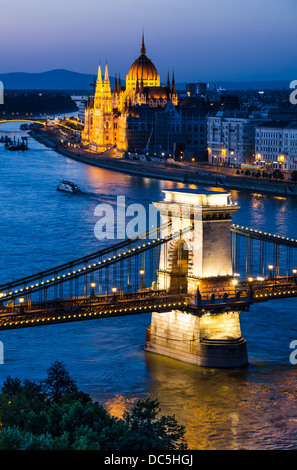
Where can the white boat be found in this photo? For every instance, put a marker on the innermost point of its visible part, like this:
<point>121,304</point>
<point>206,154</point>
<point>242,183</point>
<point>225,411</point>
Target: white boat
<point>68,187</point>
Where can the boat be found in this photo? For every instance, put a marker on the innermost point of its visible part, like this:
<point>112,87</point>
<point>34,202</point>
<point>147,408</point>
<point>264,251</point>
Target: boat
<point>68,187</point>
<point>9,145</point>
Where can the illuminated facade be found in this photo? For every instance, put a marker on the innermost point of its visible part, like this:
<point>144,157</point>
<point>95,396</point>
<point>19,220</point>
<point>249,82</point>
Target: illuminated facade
<point>106,113</point>
<point>276,145</point>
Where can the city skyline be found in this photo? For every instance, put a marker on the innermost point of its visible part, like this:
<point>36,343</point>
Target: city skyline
<point>207,41</point>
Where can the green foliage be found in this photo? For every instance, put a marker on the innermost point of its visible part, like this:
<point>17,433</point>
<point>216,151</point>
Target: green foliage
<point>147,431</point>
<point>58,383</point>
<point>55,415</point>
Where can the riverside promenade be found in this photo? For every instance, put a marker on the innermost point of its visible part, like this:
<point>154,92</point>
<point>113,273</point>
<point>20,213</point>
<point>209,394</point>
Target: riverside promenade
<point>183,173</point>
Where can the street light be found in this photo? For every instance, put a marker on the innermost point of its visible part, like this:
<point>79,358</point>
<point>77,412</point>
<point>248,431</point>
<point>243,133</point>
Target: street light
<point>114,290</point>
<point>21,300</point>
<point>142,283</point>
<point>93,285</point>
<point>270,267</point>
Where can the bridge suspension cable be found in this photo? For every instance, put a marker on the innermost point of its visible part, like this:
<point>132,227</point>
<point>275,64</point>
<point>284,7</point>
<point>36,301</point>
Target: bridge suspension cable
<point>102,264</point>
<point>83,259</point>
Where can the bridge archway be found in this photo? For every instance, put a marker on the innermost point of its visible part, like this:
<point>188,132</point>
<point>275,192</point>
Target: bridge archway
<point>179,267</point>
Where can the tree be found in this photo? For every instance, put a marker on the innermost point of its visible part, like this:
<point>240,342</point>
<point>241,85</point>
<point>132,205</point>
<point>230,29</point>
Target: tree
<point>294,175</point>
<point>58,383</point>
<point>148,431</point>
<point>277,174</point>
<point>11,386</point>
<point>54,415</point>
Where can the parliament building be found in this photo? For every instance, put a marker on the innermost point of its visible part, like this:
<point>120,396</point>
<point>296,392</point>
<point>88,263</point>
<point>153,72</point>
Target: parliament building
<point>142,116</point>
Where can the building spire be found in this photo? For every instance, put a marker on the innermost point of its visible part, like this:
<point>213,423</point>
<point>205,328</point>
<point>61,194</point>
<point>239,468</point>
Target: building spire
<point>173,91</point>
<point>142,49</point>
<point>99,76</point>
<point>115,84</point>
<point>119,84</point>
<point>106,76</point>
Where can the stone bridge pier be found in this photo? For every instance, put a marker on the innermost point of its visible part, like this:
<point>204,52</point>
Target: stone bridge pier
<point>197,262</point>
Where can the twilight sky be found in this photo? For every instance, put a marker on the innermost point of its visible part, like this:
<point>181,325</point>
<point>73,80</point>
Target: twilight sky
<point>204,40</point>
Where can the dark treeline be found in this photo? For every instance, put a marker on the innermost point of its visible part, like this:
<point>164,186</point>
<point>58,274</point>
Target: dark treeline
<point>53,414</point>
<point>36,102</point>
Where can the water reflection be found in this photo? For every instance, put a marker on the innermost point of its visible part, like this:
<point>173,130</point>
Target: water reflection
<point>245,408</point>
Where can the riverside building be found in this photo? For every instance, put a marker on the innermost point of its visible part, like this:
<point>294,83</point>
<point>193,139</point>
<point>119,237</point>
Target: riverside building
<point>276,145</point>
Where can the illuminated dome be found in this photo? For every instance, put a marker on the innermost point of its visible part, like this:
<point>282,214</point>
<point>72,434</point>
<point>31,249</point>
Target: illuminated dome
<point>142,70</point>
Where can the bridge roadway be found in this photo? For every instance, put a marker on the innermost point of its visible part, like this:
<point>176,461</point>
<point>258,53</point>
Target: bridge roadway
<point>95,307</point>
<point>87,308</point>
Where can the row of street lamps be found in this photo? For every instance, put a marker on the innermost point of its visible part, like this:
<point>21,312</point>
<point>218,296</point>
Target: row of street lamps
<point>93,285</point>
<point>142,284</point>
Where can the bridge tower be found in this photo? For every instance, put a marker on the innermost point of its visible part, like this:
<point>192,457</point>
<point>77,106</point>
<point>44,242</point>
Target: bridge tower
<point>197,263</point>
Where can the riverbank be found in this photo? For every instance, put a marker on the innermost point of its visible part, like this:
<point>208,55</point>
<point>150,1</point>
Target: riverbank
<point>177,173</point>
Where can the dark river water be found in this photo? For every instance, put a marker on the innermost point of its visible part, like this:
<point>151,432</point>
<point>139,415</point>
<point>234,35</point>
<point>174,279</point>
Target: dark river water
<point>254,407</point>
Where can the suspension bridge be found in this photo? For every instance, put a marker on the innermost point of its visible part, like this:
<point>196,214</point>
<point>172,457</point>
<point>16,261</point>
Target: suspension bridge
<point>194,274</point>
<point>24,118</point>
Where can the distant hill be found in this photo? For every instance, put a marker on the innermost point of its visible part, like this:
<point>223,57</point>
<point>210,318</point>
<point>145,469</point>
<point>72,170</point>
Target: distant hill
<point>59,79</point>
<point>62,79</point>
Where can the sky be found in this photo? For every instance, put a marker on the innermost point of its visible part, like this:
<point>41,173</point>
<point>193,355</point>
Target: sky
<point>201,40</point>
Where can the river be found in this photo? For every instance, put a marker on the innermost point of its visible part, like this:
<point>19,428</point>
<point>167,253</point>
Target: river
<point>248,408</point>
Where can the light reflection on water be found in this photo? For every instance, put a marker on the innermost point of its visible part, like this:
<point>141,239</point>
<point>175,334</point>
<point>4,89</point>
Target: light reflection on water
<point>252,408</point>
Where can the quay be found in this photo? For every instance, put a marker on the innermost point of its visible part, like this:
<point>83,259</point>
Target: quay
<point>177,173</point>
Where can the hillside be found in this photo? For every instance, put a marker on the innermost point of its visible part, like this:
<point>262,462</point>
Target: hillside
<point>62,79</point>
